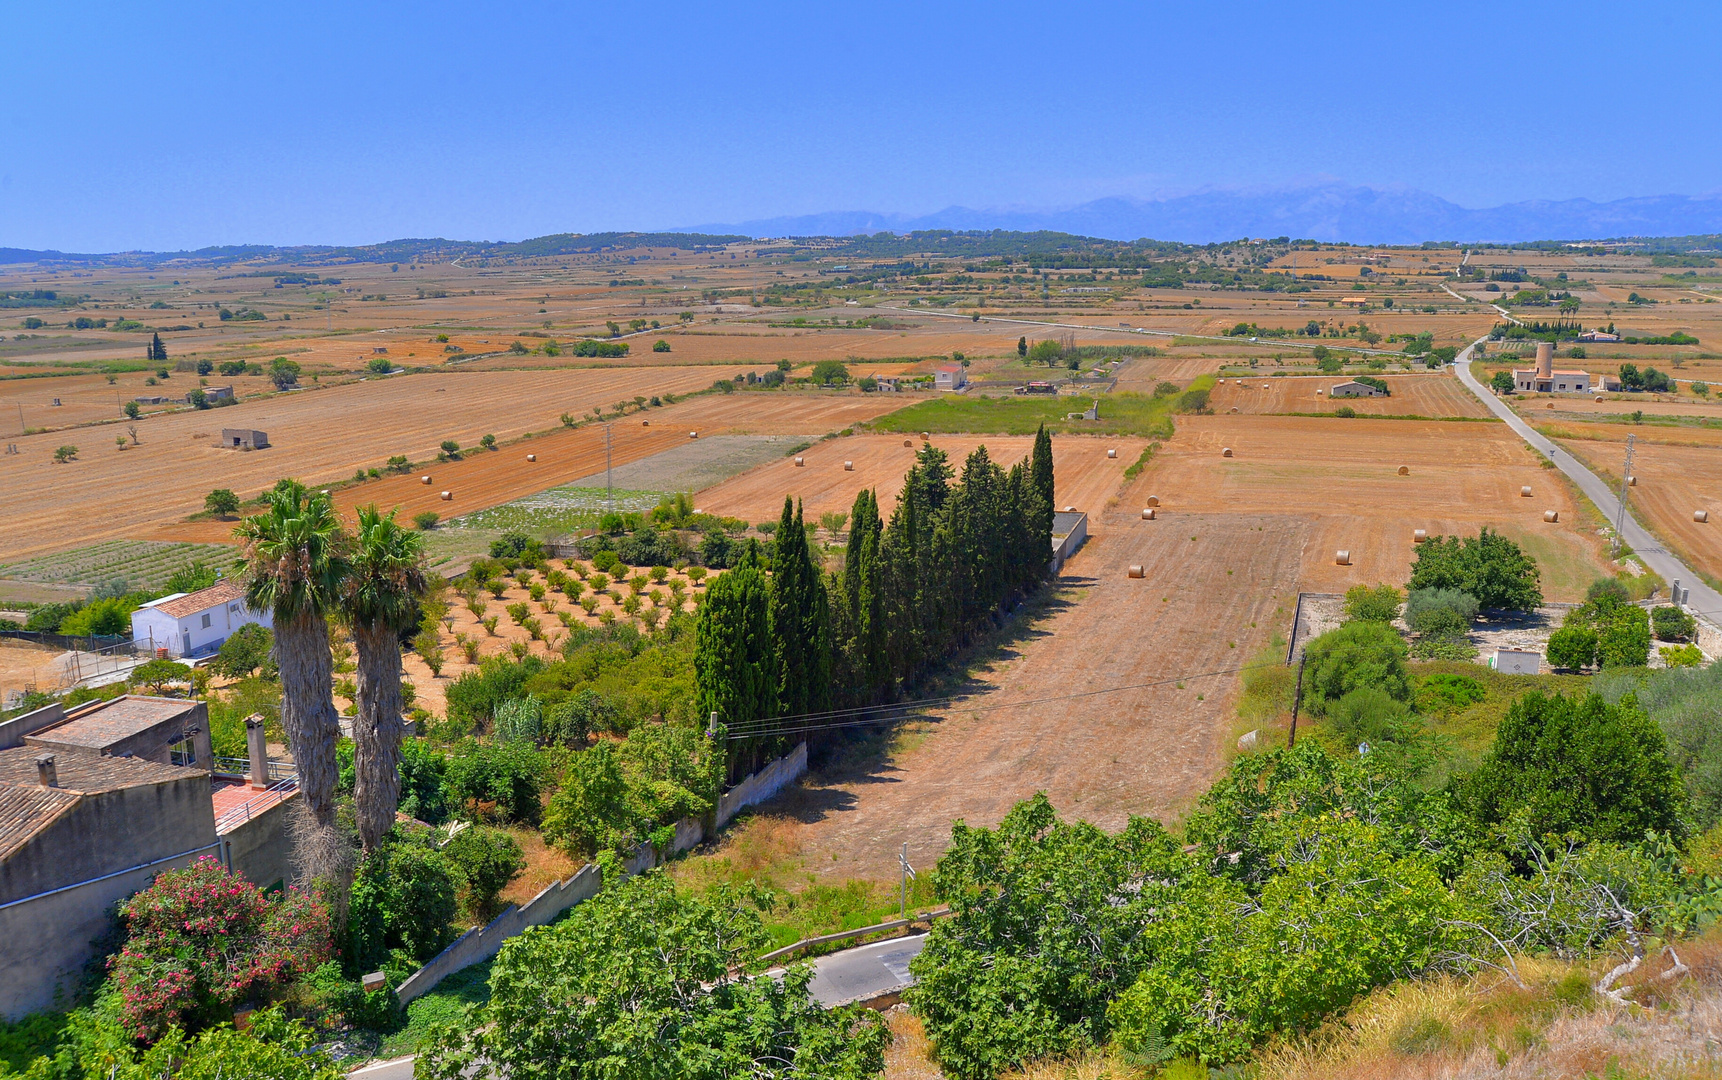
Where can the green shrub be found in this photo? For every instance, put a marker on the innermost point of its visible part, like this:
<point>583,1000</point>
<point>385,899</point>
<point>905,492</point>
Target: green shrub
<point>1624,639</point>
<point>1446,692</point>
<point>1684,703</point>
<point>1673,624</point>
<point>1373,604</point>
<point>1357,654</point>
<point>1577,765</point>
<point>1421,602</point>
<point>1369,715</point>
<point>402,898</point>
<point>483,861</point>
<point>245,651</point>
<point>1488,566</point>
<point>497,781</point>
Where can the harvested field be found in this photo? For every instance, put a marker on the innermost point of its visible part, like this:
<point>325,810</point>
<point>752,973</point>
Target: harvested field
<point>1665,434</point>
<point>1144,373</point>
<point>1412,395</point>
<point>1101,758</point>
<point>1341,476</point>
<point>1532,406</point>
<point>321,436</point>
<point>696,464</point>
<point>1086,477</point>
<point>1673,481</point>
<point>90,399</point>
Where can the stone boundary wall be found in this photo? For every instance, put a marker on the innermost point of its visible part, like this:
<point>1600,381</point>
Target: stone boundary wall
<point>480,944</point>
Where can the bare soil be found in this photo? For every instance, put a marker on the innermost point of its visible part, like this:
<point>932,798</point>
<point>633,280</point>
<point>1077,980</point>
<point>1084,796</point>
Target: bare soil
<point>1147,750</point>
<point>1412,395</point>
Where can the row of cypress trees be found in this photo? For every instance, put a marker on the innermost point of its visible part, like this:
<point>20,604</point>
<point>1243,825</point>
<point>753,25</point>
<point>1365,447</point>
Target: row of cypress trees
<point>788,639</point>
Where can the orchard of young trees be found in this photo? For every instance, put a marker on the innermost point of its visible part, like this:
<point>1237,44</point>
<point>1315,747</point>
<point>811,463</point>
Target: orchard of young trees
<point>780,640</point>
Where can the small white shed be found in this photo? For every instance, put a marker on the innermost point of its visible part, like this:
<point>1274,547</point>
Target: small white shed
<point>194,624</point>
<point>1516,662</point>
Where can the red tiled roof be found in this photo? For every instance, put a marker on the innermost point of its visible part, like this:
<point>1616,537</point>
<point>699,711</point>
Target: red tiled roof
<point>87,774</point>
<point>220,593</point>
<point>113,721</point>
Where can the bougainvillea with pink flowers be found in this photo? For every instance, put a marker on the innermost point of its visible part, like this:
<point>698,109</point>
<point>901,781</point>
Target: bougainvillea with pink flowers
<point>201,940</point>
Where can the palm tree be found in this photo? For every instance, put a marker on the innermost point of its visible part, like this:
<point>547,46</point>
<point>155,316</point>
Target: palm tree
<point>293,556</point>
<point>380,600</point>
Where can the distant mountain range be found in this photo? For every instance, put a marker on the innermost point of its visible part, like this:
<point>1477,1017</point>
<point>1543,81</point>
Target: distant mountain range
<point>1329,212</point>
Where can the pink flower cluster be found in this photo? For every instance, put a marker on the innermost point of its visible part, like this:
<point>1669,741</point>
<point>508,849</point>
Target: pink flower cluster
<point>202,938</point>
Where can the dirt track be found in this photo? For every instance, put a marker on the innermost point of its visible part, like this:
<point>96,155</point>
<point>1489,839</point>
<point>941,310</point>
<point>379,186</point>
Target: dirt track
<point>1102,758</point>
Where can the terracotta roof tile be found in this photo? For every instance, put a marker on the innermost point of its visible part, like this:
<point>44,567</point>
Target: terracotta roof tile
<point>87,774</point>
<point>220,593</point>
<point>26,811</point>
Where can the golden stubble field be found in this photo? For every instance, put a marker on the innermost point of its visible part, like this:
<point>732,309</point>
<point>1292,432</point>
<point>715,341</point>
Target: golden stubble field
<point>1086,478</point>
<point>1341,478</point>
<point>1419,395</point>
<point>1673,481</point>
<point>321,436</point>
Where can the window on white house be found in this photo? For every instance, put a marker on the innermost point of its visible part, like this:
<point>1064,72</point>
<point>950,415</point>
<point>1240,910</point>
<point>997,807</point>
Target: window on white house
<point>206,620</point>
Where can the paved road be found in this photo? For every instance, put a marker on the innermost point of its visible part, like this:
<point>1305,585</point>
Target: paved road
<point>1705,600</point>
<point>866,971</point>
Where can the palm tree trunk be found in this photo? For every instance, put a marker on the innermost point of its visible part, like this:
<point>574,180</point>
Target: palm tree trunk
<point>308,709</point>
<point>377,732</point>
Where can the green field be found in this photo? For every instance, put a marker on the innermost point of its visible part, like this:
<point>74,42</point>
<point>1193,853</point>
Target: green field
<point>1120,414</point>
<point>141,564</point>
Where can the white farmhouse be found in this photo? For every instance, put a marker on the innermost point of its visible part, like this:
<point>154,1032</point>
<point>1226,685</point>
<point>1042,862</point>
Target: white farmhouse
<point>194,624</point>
<point>950,377</point>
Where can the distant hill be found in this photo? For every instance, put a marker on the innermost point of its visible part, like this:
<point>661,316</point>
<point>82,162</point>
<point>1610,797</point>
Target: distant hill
<point>392,250</point>
<point>1329,212</point>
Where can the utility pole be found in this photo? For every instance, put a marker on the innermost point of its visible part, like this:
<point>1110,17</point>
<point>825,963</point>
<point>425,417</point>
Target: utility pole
<point>1297,701</point>
<point>1625,485</point>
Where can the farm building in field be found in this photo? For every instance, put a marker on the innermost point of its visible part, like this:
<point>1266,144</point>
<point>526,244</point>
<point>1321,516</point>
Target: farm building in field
<point>1597,335</point>
<point>1037,387</point>
<point>950,377</point>
<point>194,624</point>
<point>214,393</point>
<point>1356,389</point>
<point>1545,378</point>
<point>244,438</point>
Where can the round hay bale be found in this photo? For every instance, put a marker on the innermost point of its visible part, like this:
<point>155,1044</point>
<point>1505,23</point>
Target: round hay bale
<point>645,423</point>
<point>1137,571</point>
<point>1225,451</point>
<point>1342,557</point>
<point>447,496</point>
<point>1599,399</point>
<point>1153,500</point>
<point>925,435</point>
<point>693,434</point>
<point>1318,391</point>
<point>424,479</point>
<point>1632,481</point>
<point>1419,535</point>
<point>1234,408</point>
<point>1525,492</point>
<point>531,457</point>
<point>1070,509</point>
<point>798,461</point>
<point>1551,404</point>
<point>848,466</point>
<point>1551,515</point>
<point>1404,470</point>
<point>1111,453</point>
<point>1147,513</point>
<point>1701,516</point>
<point>908,442</point>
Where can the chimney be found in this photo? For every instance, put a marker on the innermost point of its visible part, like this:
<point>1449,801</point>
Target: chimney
<point>258,747</point>
<point>1545,359</point>
<point>45,774</point>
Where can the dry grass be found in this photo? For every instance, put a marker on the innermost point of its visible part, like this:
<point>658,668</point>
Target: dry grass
<point>910,1055</point>
<point>544,865</point>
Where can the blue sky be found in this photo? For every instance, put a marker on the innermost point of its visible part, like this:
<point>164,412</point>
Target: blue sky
<point>169,125</point>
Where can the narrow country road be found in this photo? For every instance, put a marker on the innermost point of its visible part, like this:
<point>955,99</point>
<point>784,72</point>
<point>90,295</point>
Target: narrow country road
<point>1704,600</point>
<point>866,971</point>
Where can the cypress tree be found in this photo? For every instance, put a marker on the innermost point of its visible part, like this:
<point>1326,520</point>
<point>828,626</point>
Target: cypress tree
<point>1040,471</point>
<point>733,654</point>
<point>874,665</point>
<point>800,621</point>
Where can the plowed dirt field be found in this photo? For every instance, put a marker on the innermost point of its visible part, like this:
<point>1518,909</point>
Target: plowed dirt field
<point>1206,605</point>
<point>1412,395</point>
<point>1086,477</point>
<point>322,436</point>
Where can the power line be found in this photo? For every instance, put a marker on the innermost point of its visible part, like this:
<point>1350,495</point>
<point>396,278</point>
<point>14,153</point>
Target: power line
<point>808,722</point>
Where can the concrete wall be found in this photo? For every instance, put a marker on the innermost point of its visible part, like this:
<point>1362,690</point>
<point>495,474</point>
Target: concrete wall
<point>45,942</point>
<point>12,732</point>
<point>478,945</point>
<point>261,849</point>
